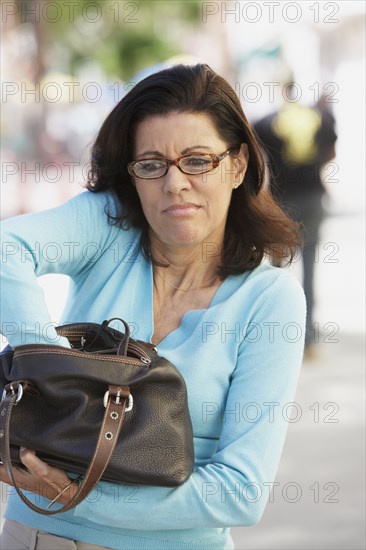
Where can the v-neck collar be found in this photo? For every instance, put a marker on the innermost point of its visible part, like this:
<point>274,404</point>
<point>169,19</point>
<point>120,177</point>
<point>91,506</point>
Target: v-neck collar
<point>180,333</point>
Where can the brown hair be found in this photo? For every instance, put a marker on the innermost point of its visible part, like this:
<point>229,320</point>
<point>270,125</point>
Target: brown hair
<point>256,225</point>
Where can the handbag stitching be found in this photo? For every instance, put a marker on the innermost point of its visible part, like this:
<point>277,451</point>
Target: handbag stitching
<point>115,358</point>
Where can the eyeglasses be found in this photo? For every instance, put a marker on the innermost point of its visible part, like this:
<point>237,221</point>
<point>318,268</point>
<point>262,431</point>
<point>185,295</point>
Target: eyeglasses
<point>154,168</point>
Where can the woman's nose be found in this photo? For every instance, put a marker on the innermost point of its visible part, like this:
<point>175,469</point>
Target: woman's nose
<point>175,181</point>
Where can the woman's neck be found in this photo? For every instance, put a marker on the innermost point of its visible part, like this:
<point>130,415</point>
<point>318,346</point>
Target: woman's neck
<point>187,268</point>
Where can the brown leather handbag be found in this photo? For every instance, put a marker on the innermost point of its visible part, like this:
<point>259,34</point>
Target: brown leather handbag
<point>109,408</point>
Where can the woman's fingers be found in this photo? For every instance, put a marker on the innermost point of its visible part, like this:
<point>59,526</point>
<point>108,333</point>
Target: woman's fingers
<point>39,477</point>
<point>38,469</point>
<point>4,476</point>
<point>21,476</point>
<point>35,465</point>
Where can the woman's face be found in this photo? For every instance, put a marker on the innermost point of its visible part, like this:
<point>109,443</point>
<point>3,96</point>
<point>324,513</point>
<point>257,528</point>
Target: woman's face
<point>186,210</point>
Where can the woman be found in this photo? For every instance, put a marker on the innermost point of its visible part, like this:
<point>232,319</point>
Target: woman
<point>179,220</point>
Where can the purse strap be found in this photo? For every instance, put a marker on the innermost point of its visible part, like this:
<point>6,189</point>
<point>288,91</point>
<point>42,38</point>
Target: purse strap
<point>115,402</point>
<point>123,345</point>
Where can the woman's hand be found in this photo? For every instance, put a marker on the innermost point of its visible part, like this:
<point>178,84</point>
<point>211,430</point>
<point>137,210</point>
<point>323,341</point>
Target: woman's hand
<point>40,478</point>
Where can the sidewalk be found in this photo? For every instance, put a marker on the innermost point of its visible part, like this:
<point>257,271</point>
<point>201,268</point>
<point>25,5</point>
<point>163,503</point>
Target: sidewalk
<point>319,502</point>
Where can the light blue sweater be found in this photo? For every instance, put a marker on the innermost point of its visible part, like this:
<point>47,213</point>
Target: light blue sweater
<point>240,358</point>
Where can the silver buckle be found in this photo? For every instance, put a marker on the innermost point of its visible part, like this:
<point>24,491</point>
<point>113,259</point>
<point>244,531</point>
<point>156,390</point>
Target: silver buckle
<point>130,401</point>
<point>19,389</point>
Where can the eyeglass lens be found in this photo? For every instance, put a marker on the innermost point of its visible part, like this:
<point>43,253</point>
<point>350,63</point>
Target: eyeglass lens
<point>193,164</point>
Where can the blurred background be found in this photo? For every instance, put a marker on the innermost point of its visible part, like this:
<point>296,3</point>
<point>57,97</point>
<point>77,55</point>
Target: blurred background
<point>65,65</point>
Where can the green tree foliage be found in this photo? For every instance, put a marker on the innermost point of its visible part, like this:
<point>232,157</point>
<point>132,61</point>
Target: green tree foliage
<point>124,37</point>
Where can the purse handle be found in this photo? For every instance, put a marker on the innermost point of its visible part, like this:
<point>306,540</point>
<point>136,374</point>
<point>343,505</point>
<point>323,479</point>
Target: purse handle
<point>124,340</point>
<point>115,400</point>
<point>123,345</point>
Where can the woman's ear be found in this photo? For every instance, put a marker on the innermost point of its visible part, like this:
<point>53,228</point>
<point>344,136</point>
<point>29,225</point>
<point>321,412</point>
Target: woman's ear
<point>241,163</point>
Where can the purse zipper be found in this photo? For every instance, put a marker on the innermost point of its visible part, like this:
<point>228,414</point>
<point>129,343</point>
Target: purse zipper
<point>144,357</point>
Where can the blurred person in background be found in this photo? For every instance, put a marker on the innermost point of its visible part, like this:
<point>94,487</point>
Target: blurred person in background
<point>181,222</point>
<point>298,140</point>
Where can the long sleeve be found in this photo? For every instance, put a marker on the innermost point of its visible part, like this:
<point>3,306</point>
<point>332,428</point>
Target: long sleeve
<point>67,240</point>
<point>233,488</point>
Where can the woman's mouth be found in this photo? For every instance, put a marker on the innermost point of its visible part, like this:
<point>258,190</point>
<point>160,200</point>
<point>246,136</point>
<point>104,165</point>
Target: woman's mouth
<point>183,209</point>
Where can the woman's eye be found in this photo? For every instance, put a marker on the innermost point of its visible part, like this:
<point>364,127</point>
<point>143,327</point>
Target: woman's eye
<point>198,161</point>
<point>151,166</point>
